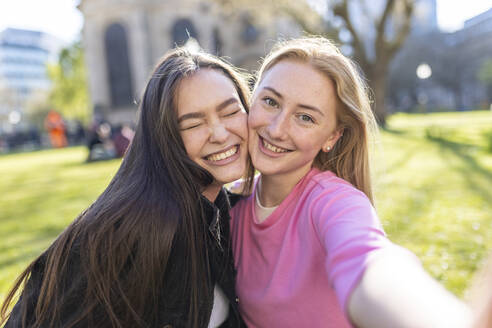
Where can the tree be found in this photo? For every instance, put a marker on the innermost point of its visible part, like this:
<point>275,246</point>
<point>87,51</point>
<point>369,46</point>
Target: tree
<point>69,94</point>
<point>390,27</point>
<point>447,63</point>
<point>485,76</point>
<point>402,83</point>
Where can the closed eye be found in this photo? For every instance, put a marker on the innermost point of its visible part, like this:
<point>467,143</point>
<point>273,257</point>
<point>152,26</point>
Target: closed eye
<point>232,113</point>
<point>191,126</point>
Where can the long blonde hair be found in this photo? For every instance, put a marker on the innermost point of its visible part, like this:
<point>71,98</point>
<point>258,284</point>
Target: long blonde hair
<point>349,158</point>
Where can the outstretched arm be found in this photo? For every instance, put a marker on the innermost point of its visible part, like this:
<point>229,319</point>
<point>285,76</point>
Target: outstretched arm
<point>395,291</point>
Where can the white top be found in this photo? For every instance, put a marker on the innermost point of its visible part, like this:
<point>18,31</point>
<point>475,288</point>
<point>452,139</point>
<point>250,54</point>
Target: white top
<point>261,211</point>
<point>220,310</point>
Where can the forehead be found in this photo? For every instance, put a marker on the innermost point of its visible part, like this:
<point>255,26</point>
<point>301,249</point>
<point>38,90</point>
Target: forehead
<point>301,82</point>
<point>203,90</point>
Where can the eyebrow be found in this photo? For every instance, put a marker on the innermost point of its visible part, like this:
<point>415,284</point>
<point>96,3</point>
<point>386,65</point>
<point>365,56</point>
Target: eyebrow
<point>308,107</point>
<point>219,107</point>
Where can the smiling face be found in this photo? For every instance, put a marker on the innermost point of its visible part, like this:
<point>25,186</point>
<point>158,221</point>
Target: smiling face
<point>213,124</point>
<point>292,118</point>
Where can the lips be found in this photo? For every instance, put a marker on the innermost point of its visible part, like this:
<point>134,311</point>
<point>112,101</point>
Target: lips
<point>272,148</point>
<point>219,156</point>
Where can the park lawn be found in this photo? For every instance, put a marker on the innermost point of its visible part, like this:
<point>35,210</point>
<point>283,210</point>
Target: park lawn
<point>42,192</point>
<point>434,191</point>
<point>433,188</point>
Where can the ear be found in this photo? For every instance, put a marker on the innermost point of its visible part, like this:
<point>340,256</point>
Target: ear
<point>332,140</point>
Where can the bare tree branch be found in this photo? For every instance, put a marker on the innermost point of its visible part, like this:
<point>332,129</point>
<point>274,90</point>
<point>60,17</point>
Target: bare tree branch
<point>404,29</point>
<point>384,46</point>
<point>381,25</point>
<point>341,10</point>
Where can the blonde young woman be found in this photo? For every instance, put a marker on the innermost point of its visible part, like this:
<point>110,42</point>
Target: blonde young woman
<point>308,245</point>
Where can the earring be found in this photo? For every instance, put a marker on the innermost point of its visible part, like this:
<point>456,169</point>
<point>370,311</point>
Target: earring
<point>328,148</point>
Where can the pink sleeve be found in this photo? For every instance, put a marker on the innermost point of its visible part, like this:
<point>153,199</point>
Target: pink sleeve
<point>352,235</point>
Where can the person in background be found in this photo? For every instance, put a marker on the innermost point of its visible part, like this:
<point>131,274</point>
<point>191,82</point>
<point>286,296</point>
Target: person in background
<point>154,249</point>
<point>99,143</point>
<point>122,138</point>
<point>53,123</point>
<point>308,245</point>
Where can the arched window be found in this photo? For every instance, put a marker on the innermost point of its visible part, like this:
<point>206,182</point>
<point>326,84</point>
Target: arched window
<point>118,65</point>
<point>183,29</point>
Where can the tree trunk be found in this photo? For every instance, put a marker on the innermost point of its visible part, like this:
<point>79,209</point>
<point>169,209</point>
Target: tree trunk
<point>457,97</point>
<point>377,82</point>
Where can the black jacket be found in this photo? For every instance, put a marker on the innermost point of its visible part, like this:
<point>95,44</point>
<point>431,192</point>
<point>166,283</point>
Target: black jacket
<point>221,266</point>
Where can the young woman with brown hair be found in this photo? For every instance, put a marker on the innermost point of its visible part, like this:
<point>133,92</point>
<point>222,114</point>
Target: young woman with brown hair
<point>153,250</point>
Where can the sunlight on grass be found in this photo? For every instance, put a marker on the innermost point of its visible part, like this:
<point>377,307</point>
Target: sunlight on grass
<point>433,194</point>
<point>42,192</point>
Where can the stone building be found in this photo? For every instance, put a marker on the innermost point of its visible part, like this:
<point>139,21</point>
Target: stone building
<point>123,39</point>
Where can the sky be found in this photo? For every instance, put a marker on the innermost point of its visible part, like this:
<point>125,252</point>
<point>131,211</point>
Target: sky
<point>62,19</point>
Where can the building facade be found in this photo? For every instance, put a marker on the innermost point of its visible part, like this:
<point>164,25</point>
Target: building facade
<point>23,58</point>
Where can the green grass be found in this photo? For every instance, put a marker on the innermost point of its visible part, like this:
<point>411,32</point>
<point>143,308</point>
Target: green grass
<point>41,193</point>
<point>433,193</point>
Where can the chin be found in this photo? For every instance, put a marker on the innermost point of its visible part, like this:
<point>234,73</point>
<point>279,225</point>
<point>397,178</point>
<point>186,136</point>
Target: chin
<point>227,178</point>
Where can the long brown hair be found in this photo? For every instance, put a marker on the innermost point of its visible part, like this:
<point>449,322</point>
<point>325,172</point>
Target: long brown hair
<point>124,241</point>
<point>349,158</point>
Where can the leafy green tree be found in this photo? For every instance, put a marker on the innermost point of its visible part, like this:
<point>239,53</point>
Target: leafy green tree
<point>69,94</point>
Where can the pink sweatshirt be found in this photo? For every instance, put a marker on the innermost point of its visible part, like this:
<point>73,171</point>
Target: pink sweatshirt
<point>298,267</point>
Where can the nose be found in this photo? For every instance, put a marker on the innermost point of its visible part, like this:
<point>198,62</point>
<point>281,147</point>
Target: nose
<point>277,129</point>
<point>218,133</point>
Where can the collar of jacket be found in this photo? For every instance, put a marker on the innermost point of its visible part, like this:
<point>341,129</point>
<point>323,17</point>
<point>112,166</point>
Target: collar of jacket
<point>213,213</point>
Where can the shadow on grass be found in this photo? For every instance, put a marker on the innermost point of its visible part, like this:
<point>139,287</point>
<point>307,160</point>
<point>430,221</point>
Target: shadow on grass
<point>474,174</point>
<point>401,161</point>
<point>42,237</point>
<point>47,233</point>
<point>90,163</point>
<point>409,213</point>
<point>403,158</point>
<point>24,257</point>
<point>394,131</point>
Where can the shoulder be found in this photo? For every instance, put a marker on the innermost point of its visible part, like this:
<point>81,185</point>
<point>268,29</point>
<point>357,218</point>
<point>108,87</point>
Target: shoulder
<point>326,188</point>
<point>334,201</point>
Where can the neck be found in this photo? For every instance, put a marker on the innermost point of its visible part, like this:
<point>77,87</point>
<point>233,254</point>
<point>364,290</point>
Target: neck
<point>211,192</point>
<point>275,188</point>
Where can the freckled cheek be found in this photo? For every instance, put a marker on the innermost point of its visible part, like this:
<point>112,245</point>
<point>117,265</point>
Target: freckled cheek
<point>309,142</point>
<point>256,119</point>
